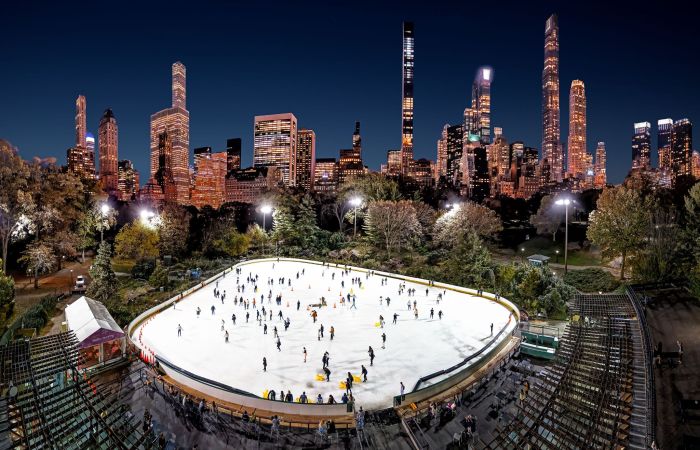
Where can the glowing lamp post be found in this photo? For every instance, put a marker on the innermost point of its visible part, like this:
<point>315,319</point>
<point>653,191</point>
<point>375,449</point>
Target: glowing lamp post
<point>104,209</point>
<point>565,202</point>
<point>356,202</point>
<point>265,210</point>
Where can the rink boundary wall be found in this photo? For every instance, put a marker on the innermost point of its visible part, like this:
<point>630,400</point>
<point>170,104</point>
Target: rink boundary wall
<point>299,408</point>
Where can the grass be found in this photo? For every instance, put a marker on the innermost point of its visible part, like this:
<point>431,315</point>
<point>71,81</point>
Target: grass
<point>123,265</point>
<point>544,246</point>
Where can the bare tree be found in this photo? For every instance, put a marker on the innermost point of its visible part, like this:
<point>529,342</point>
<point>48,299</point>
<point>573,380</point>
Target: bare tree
<point>392,224</point>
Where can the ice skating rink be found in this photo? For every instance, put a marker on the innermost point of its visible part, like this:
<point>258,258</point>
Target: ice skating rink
<point>414,347</point>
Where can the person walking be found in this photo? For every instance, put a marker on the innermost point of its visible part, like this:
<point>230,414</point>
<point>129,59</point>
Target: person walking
<point>179,330</point>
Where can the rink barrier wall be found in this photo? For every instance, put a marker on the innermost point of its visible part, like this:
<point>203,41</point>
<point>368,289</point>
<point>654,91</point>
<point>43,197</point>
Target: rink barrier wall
<point>270,405</point>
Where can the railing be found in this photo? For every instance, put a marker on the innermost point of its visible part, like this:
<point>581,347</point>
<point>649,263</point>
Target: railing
<point>649,368</point>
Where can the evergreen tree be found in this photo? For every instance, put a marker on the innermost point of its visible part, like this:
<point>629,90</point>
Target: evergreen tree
<point>469,262</point>
<point>104,282</point>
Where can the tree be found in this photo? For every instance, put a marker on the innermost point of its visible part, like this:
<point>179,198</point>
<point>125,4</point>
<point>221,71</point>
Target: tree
<point>372,187</point>
<point>391,224</point>
<point>136,241</point>
<point>294,225</point>
<point>467,217</point>
<point>7,289</point>
<point>174,230</point>
<point>103,286</point>
<point>232,243</point>
<point>619,223</point>
<point>469,262</point>
<point>39,259</point>
<point>159,277</point>
<point>257,237</point>
<point>548,217</point>
<point>14,182</point>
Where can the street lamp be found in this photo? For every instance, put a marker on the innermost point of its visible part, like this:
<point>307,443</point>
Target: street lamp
<point>356,202</point>
<point>522,254</point>
<point>71,279</point>
<point>104,209</point>
<point>566,202</point>
<point>265,209</point>
<point>557,251</point>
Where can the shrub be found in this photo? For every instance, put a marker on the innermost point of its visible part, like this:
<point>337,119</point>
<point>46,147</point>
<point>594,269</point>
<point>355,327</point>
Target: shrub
<point>143,269</point>
<point>592,280</point>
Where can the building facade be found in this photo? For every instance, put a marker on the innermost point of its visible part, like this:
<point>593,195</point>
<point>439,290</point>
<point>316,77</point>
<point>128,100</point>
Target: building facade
<point>108,145</point>
<point>601,178</point>
<point>664,141</point>
<point>577,158</point>
<point>275,144</point>
<point>233,154</point>
<point>641,146</point>
<point>306,159</point>
<point>681,149</point>
<point>326,175</point>
<point>248,185</point>
<point>128,181</point>
<point>175,121</point>
<point>209,183</point>
<point>481,105</point>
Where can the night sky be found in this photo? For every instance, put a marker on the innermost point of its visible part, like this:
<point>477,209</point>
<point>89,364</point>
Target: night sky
<point>332,63</point>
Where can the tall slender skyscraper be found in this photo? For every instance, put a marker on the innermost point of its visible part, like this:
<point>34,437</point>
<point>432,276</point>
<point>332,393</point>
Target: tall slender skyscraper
<point>306,159</point>
<point>407,99</point>
<point>233,154</point>
<point>641,146</point>
<point>551,132</point>
<point>357,140</point>
<point>600,173</point>
<point>577,130</point>
<point>275,144</point>
<point>175,121</point>
<point>682,149</point>
<point>80,121</point>
<point>481,104</point>
<point>107,139</point>
<point>664,142</point>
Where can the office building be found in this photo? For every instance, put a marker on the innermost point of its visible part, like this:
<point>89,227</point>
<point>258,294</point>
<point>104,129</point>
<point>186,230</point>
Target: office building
<point>480,112</point>
<point>326,175</point>
<point>275,144</point>
<point>600,174</point>
<point>107,140</point>
<point>641,146</point>
<point>664,141</point>
<point>233,154</point>
<point>682,149</point>
<point>577,157</point>
<point>407,99</point>
<point>441,161</point>
<point>209,181</point>
<point>306,159</point>
<point>127,180</point>
<point>175,121</point>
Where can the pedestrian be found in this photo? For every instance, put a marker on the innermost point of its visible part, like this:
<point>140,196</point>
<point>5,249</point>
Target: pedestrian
<point>327,371</point>
<point>179,330</point>
<point>396,316</point>
<point>364,374</point>
<point>264,364</point>
<point>303,398</point>
<point>319,399</point>
<point>383,340</point>
<point>304,354</point>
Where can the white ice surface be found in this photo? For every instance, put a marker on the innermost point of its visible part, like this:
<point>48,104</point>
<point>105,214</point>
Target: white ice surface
<point>414,348</point>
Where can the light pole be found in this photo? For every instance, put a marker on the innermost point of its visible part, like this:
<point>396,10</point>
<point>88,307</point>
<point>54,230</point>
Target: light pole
<point>71,279</point>
<point>566,202</point>
<point>265,210</point>
<point>104,209</point>
<point>557,256</point>
<point>522,255</point>
<point>356,202</point>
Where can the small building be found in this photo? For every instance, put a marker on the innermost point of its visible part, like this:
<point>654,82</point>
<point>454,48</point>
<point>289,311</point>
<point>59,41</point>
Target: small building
<point>538,260</point>
<point>100,339</point>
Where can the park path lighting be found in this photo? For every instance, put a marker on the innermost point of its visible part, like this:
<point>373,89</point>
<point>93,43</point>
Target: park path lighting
<point>557,251</point>
<point>356,202</point>
<point>565,202</point>
<point>265,210</point>
<point>104,210</point>
<point>522,254</point>
<point>149,218</point>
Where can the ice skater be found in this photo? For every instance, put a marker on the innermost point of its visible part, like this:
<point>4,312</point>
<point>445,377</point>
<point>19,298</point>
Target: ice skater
<point>264,364</point>
<point>247,316</point>
<point>279,345</point>
<point>265,329</point>
<point>440,314</point>
<point>226,337</point>
<point>432,313</point>
<point>491,329</point>
<point>222,324</point>
<point>396,316</point>
<point>364,374</point>
<point>332,332</point>
<point>179,330</point>
<point>403,390</point>
<point>233,318</point>
<point>327,371</point>
<point>213,308</point>
<point>371,355</point>
<point>415,313</point>
<point>298,305</point>
<point>383,340</point>
<point>304,354</point>
<point>198,311</point>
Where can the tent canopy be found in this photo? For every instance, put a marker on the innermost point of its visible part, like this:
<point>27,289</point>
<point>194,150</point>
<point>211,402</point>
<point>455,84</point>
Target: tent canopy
<point>91,322</point>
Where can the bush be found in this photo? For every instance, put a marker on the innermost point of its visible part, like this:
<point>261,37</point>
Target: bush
<point>159,277</point>
<point>592,280</point>
<point>143,269</point>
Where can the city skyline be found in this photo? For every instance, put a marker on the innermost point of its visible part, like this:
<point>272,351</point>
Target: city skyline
<point>609,121</point>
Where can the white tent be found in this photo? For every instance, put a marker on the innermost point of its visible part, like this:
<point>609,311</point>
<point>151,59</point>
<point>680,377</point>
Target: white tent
<point>91,322</point>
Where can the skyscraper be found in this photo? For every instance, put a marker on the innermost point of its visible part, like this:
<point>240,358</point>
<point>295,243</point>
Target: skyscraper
<point>441,164</point>
<point>600,172</point>
<point>664,142</point>
<point>481,104</point>
<point>641,146</point>
<point>209,187</point>
<point>80,121</point>
<point>107,139</point>
<point>455,148</point>
<point>89,156</point>
<point>551,132</point>
<point>577,130</point>
<point>357,140</point>
<point>176,122</point>
<point>682,149</point>
<point>306,159</point>
<point>407,99</point>
<point>275,144</point>
<point>350,162</point>
<point>326,175</point>
<point>233,154</point>
<point>164,172</point>
<point>128,180</point>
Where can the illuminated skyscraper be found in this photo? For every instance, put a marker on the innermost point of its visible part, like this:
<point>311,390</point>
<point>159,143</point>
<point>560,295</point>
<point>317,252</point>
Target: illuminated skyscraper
<point>441,164</point>
<point>481,104</point>
<point>89,157</point>
<point>209,178</point>
<point>233,154</point>
<point>641,146</point>
<point>455,148</point>
<point>600,174</point>
<point>551,132</point>
<point>176,122</point>
<point>393,162</point>
<point>577,130</point>
<point>664,142</point>
<point>326,175</point>
<point>275,145</point>
<point>164,170</point>
<point>80,121</point>
<point>306,159</point>
<point>407,99</point>
<point>128,180</point>
<point>107,139</point>
<point>682,149</point>
<point>357,140</point>
<point>350,162</point>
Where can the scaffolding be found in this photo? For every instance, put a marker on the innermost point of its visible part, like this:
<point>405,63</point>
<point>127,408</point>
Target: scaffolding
<point>48,403</point>
<point>593,395</point>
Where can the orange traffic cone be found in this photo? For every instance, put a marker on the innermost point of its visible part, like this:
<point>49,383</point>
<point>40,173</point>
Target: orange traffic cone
<point>333,305</point>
